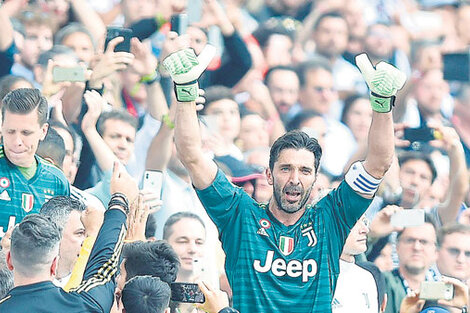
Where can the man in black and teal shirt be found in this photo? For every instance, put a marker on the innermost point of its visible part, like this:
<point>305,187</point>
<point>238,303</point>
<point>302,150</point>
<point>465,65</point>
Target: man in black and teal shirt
<point>34,254</point>
<point>26,180</point>
<point>284,256</point>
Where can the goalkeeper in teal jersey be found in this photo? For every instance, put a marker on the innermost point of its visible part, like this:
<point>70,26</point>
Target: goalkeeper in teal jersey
<point>284,257</point>
<point>26,180</point>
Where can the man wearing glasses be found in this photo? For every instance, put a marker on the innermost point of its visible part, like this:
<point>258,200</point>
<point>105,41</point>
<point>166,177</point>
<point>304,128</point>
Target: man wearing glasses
<point>453,256</point>
<point>417,252</point>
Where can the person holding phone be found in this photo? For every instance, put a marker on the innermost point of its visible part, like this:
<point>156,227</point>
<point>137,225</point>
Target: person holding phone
<point>285,254</point>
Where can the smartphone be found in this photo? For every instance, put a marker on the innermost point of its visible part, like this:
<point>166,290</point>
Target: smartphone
<point>153,181</point>
<point>179,23</point>
<point>422,134</point>
<point>187,293</point>
<point>456,66</point>
<point>436,290</point>
<point>408,218</point>
<point>113,32</point>
<point>68,74</point>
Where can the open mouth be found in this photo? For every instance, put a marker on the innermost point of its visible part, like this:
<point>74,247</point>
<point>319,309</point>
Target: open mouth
<point>293,196</point>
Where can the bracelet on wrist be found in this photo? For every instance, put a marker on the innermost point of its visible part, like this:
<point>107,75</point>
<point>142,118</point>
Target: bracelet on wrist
<point>151,78</point>
<point>167,121</point>
<point>120,195</point>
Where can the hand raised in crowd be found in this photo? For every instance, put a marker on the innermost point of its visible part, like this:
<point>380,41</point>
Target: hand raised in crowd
<point>213,14</point>
<point>173,43</point>
<point>95,103</point>
<point>137,219</point>
<point>381,225</point>
<point>123,183</point>
<point>412,303</point>
<point>446,137</point>
<point>50,87</point>
<point>152,200</point>
<point>144,62</point>
<point>460,298</point>
<point>216,299</point>
<point>92,219</point>
<point>109,62</point>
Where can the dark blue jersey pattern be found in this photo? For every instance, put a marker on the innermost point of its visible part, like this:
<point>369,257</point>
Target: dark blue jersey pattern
<point>94,294</point>
<point>276,268</point>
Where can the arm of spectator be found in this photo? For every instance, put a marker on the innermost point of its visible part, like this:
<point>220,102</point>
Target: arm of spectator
<point>239,61</point>
<point>89,17</point>
<point>6,39</point>
<point>458,174</point>
<point>109,16</point>
<point>103,264</point>
<point>159,152</point>
<point>104,155</point>
<point>259,92</point>
<point>108,63</point>
<point>380,226</point>
<point>461,296</point>
<point>92,219</point>
<point>403,96</point>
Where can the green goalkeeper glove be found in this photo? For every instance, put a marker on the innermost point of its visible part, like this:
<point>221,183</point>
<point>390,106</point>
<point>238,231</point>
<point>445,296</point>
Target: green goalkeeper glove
<point>384,81</point>
<point>185,68</point>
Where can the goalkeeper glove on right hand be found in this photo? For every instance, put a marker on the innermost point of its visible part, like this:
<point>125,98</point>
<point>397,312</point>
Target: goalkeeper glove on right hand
<point>384,81</point>
<point>185,68</point>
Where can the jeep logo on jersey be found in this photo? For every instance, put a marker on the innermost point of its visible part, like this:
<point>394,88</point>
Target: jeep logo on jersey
<point>286,245</point>
<point>293,268</point>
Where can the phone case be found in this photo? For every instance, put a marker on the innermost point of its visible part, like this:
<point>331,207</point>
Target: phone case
<point>153,181</point>
<point>435,290</point>
<point>408,218</point>
<point>113,32</point>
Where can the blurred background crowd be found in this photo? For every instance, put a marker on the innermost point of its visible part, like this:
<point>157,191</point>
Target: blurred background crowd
<point>281,65</point>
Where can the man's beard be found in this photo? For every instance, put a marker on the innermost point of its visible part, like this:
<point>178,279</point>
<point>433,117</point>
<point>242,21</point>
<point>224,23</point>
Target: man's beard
<point>305,195</point>
<point>414,270</point>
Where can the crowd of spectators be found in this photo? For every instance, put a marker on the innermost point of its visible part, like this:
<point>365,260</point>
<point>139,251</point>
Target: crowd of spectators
<point>281,65</point>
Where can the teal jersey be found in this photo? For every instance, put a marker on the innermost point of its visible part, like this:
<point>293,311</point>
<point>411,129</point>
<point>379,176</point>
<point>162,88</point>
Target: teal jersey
<point>20,196</point>
<point>276,268</point>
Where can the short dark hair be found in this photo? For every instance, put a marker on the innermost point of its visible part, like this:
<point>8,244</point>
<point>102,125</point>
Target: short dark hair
<point>167,228</point>
<point>271,70</point>
<point>451,229</point>
<point>330,14</point>
<point>75,137</point>
<point>120,115</point>
<point>59,208</point>
<point>348,103</point>
<point>6,276</point>
<point>25,101</point>
<point>216,93</point>
<point>155,258</point>
<point>316,63</point>
<point>145,294</point>
<point>34,244</point>
<point>8,81</point>
<point>275,26</point>
<point>418,155</point>
<point>52,147</point>
<point>302,117</point>
<point>297,140</point>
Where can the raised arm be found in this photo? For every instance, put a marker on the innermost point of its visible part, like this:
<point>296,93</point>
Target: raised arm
<point>185,68</point>
<point>383,81</point>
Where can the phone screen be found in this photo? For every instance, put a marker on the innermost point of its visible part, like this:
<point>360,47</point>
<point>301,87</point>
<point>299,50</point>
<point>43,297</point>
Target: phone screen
<point>408,218</point>
<point>68,74</point>
<point>179,23</point>
<point>186,292</point>
<point>422,134</point>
